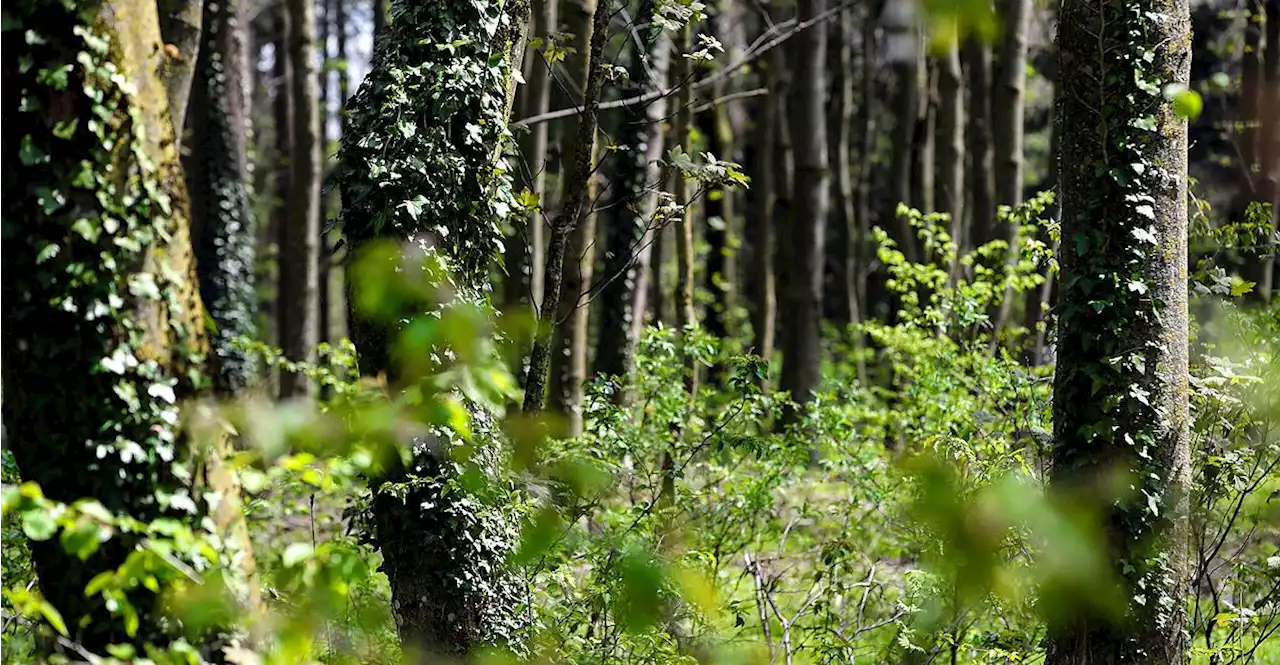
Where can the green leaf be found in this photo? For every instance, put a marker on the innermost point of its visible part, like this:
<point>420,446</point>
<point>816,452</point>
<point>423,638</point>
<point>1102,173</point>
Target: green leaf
<point>54,617</point>
<point>295,553</point>
<point>38,524</point>
<point>1186,102</point>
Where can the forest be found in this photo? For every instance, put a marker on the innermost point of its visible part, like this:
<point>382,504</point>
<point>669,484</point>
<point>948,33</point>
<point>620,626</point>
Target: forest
<point>653,332</point>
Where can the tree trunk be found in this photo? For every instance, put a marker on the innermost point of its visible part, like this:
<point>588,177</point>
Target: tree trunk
<point>1120,391</point>
<point>717,278</point>
<point>180,29</point>
<point>1271,138</point>
<point>299,275</point>
<point>282,126</point>
<point>922,182</point>
<point>443,552</point>
<point>628,237</point>
<point>522,289</point>
<point>902,51</point>
<point>578,172</point>
<point>801,270</point>
<point>1009,74</point>
<point>843,296</point>
<point>217,171</point>
<point>569,341</point>
<point>324,20</point>
<point>981,209</point>
<point>867,197</point>
<point>950,181</point>
<point>72,346</point>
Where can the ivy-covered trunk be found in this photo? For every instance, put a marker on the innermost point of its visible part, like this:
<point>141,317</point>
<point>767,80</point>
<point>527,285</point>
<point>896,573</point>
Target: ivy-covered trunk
<point>420,164</point>
<point>104,328</point>
<point>1120,392</point>
<point>217,172</point>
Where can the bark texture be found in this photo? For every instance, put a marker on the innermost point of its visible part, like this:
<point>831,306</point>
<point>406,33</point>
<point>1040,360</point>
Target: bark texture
<point>802,242</point>
<point>74,344</point>
<point>1009,74</point>
<point>950,180</point>
<point>573,315</point>
<point>299,257</point>
<point>981,211</point>
<point>217,171</point>
<point>1121,386</point>
<point>180,26</point>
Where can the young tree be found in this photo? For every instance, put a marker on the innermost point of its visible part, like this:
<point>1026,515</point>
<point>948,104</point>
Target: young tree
<point>104,328</point>
<point>800,275</point>
<point>1120,391</point>
<point>217,169</point>
<point>569,341</point>
<point>299,266</point>
<point>420,165</point>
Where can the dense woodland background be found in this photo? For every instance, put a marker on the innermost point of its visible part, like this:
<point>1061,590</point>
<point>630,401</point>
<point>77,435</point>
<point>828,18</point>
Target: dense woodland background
<point>652,331</point>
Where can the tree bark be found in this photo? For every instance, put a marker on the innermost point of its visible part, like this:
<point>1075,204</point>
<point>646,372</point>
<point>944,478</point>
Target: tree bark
<point>72,346</point>
<point>950,181</point>
<point>1121,385</point>
<point>718,207</point>
<point>299,266</point>
<point>981,210</point>
<point>180,29</point>
<point>628,235</point>
<point>902,46</point>
<point>843,296</point>
<point>801,245</point>
<point>217,170</point>
<point>578,172</point>
<point>1009,73</point>
<point>925,148</point>
<point>569,341</point>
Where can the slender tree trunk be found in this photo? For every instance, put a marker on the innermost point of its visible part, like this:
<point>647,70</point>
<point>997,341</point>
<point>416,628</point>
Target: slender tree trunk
<point>324,20</point>
<point>801,270</point>
<point>451,590</point>
<point>981,210</point>
<point>1009,74</point>
<point>523,247</point>
<point>299,278</point>
<point>282,125</point>
<point>867,198</point>
<point>1271,138</point>
<point>774,179</point>
<point>217,170</point>
<point>628,236</point>
<point>718,277</point>
<point>180,29</point>
<point>578,172</point>
<point>72,346</point>
<point>841,249</point>
<point>902,51</point>
<point>569,341</point>
<point>1121,385</point>
<point>924,171</point>
<point>1249,137</point>
<point>380,11</point>
<point>950,182</point>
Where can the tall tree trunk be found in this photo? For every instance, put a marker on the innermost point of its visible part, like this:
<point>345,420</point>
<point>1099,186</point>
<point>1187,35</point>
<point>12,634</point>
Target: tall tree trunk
<point>282,125</point>
<point>324,21</point>
<point>843,296</point>
<point>902,51</point>
<point>1271,138</point>
<point>981,210</point>
<point>217,170</point>
<point>578,172</point>
<point>569,342</point>
<point>1120,391</point>
<point>801,270</point>
<point>924,170</point>
<point>73,346</point>
<point>628,237</point>
<point>867,197</point>
<point>1009,74</point>
<point>450,589</point>
<point>522,289</point>
<point>717,278</point>
<point>180,29</point>
<point>299,275</point>
<point>950,181</point>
